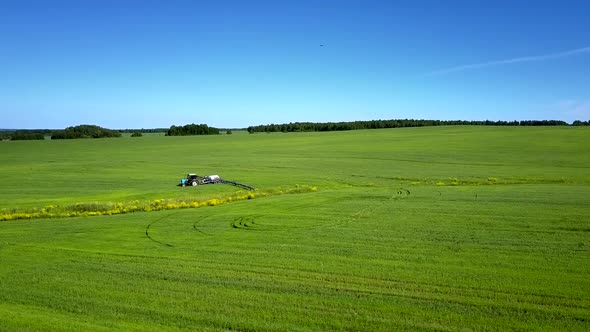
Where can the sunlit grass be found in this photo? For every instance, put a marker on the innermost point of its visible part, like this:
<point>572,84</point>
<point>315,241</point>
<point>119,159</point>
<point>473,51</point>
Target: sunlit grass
<point>455,228</point>
<point>110,208</point>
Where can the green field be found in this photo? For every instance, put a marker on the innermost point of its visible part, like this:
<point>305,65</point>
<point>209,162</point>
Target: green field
<point>440,228</point>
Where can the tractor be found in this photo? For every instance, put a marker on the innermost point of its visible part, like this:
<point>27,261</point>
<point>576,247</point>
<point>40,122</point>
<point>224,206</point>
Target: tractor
<point>190,180</point>
<point>195,180</point>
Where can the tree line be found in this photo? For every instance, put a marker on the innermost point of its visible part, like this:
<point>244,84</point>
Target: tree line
<point>84,131</point>
<point>192,129</point>
<point>144,130</point>
<point>25,134</point>
<point>398,123</point>
<point>92,131</point>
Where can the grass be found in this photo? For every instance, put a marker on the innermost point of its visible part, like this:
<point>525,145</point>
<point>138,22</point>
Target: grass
<point>108,208</point>
<point>502,243</point>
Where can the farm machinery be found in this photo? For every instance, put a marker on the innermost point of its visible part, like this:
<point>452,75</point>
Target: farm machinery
<point>195,180</point>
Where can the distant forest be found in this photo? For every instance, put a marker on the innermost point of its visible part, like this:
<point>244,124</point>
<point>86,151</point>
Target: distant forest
<point>381,124</point>
<point>84,131</point>
<point>22,135</point>
<point>192,129</point>
<point>143,130</point>
<point>91,131</point>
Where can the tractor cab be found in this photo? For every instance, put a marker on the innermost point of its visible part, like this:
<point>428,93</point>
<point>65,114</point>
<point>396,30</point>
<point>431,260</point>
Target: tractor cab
<point>191,179</point>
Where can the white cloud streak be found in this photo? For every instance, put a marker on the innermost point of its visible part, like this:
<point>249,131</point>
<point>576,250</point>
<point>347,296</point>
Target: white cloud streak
<point>534,58</point>
<point>578,109</point>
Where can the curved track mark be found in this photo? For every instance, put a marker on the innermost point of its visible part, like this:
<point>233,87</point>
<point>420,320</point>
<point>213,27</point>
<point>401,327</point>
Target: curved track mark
<point>147,230</point>
<point>195,224</point>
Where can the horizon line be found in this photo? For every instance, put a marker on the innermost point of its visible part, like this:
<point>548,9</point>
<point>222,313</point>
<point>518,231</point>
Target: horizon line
<point>316,122</point>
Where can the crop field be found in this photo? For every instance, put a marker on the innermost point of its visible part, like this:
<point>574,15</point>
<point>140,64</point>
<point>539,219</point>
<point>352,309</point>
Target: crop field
<point>439,228</point>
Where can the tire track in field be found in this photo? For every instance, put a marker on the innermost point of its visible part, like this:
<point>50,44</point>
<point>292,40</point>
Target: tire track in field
<point>249,222</point>
<point>370,209</point>
<point>196,225</point>
<point>147,230</point>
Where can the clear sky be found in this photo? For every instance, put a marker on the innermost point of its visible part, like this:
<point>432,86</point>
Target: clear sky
<point>134,64</point>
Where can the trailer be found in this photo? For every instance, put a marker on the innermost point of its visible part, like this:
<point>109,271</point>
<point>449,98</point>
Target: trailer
<point>211,179</point>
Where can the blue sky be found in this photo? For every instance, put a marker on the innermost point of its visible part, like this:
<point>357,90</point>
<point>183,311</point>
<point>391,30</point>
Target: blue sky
<point>146,64</point>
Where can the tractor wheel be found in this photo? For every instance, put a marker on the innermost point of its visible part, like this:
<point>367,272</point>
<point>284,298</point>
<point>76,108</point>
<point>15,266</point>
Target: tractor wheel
<point>194,183</point>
